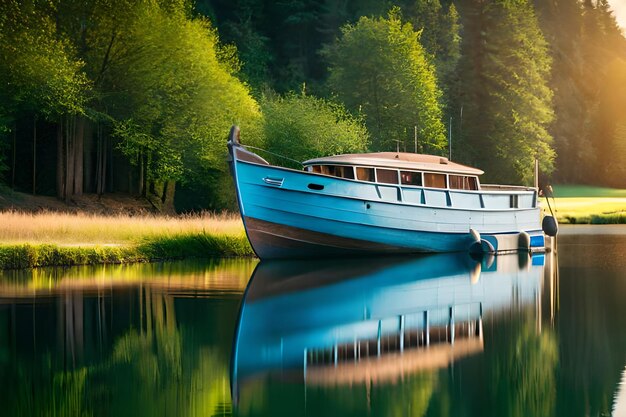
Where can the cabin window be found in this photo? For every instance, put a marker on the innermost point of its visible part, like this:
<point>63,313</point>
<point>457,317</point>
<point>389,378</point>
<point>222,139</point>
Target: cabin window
<point>345,172</point>
<point>472,183</point>
<point>410,178</point>
<point>434,180</point>
<point>387,176</point>
<point>461,182</point>
<point>365,174</point>
<point>340,171</point>
<point>328,170</point>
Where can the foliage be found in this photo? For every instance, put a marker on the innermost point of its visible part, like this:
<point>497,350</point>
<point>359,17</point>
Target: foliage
<point>506,97</point>
<point>586,45</point>
<point>181,98</point>
<point>304,127</point>
<point>30,256</point>
<point>201,245</point>
<point>441,37</point>
<point>154,88</point>
<point>39,70</point>
<point>379,68</point>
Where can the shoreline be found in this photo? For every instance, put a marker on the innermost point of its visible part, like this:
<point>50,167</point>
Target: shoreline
<point>17,256</point>
<point>578,229</point>
<point>201,246</point>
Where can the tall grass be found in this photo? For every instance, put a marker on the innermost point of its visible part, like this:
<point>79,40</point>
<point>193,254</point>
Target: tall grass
<point>81,229</point>
<point>46,239</point>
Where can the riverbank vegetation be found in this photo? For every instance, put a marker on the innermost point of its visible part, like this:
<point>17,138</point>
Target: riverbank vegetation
<point>80,228</point>
<point>137,97</point>
<point>588,205</point>
<point>33,240</point>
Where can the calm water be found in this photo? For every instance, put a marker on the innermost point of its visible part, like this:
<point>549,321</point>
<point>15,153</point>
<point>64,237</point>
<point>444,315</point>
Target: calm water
<point>426,336</point>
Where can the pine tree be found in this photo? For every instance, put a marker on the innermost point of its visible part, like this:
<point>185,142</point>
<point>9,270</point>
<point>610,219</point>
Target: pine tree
<point>561,21</point>
<point>505,96</point>
<point>439,29</point>
<point>587,46</point>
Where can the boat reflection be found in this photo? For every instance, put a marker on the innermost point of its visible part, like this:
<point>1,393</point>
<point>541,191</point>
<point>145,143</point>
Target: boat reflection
<point>348,322</point>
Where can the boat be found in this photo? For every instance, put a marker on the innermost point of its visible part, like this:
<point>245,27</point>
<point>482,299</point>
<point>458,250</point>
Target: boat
<point>378,203</point>
<point>355,321</point>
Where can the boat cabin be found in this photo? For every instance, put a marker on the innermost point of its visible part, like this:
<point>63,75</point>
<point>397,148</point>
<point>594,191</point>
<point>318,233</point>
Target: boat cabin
<point>406,169</point>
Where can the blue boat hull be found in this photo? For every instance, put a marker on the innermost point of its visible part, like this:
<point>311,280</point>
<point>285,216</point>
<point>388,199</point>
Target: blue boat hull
<point>297,214</point>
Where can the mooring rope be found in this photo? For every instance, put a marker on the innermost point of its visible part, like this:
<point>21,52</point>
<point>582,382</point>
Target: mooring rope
<point>273,153</point>
<point>549,189</point>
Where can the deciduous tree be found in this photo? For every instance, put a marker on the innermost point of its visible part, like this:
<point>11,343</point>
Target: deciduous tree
<point>378,68</point>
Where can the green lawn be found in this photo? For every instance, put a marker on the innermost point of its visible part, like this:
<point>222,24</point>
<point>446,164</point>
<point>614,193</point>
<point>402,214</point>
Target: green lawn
<point>567,191</point>
<point>587,204</point>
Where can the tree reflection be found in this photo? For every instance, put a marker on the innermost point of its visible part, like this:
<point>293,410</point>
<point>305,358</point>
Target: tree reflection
<point>524,368</point>
<point>150,369</point>
<point>407,397</point>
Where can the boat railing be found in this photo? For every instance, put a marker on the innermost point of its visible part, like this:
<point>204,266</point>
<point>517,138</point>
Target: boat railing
<point>498,187</point>
<point>519,197</point>
<point>407,335</point>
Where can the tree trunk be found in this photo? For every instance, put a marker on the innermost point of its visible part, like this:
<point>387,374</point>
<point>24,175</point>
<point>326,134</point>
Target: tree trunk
<point>168,197</point>
<point>110,160</point>
<point>88,167</point>
<point>69,157</point>
<point>141,188</point>
<point>69,180</point>
<point>34,154</point>
<point>101,158</point>
<point>154,194</point>
<point>105,146</point>
<point>60,165</point>
<point>98,159</point>
<point>78,155</point>
<point>14,152</point>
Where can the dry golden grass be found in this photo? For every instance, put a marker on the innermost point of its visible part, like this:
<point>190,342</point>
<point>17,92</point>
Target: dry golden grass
<point>89,229</point>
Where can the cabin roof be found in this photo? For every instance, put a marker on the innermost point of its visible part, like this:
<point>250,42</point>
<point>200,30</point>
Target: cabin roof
<point>399,160</point>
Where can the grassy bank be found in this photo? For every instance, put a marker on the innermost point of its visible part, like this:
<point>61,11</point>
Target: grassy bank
<point>33,240</point>
<point>588,205</point>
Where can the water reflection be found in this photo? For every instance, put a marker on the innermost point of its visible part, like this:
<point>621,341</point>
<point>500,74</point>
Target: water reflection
<point>119,340</point>
<point>385,328</point>
<point>431,336</point>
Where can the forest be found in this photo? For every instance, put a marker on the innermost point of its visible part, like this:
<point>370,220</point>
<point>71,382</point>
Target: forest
<point>137,96</point>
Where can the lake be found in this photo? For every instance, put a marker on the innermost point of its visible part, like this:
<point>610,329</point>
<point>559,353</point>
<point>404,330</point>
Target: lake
<point>420,336</point>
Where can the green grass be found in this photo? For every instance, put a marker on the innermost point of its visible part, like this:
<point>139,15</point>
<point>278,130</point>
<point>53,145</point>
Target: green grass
<point>60,239</point>
<point>24,255</point>
<point>577,204</point>
<point>568,191</point>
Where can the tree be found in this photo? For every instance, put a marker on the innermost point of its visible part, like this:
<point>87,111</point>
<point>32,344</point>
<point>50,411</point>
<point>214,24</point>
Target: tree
<point>507,102</point>
<point>440,36</point>
<point>586,45</point>
<point>179,98</point>
<point>378,68</point>
<point>609,125</point>
<point>304,127</point>
<point>40,71</point>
